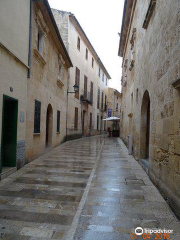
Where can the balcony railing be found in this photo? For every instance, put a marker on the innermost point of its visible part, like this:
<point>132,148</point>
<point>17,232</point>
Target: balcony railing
<point>87,97</point>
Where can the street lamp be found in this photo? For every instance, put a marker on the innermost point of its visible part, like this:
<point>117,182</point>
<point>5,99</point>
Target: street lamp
<point>76,88</point>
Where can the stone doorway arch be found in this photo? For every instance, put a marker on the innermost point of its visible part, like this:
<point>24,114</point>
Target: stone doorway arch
<point>49,126</point>
<point>145,127</point>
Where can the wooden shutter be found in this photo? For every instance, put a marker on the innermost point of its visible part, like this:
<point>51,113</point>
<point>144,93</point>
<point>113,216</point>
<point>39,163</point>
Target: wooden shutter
<point>92,86</point>
<point>102,100</point>
<point>77,81</point>
<point>58,121</point>
<point>85,87</point>
<point>90,121</point>
<point>37,116</point>
<point>78,43</point>
<point>76,119</point>
<point>98,98</point>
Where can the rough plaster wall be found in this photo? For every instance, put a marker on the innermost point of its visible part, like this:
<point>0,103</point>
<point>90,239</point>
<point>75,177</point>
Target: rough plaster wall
<point>85,66</point>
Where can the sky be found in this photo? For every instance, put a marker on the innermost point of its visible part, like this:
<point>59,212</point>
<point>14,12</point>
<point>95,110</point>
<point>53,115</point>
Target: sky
<point>101,21</point>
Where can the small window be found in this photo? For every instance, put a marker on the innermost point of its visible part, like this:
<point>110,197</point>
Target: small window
<point>37,116</point>
<point>106,81</point>
<point>58,121</point>
<point>40,42</point>
<point>76,119</point>
<point>97,122</point>
<point>92,62</point>
<point>77,82</point>
<point>86,54</point>
<point>98,98</point>
<point>90,125</point>
<point>103,77</point>
<point>60,76</point>
<point>78,43</point>
<point>117,107</point>
<point>99,72</point>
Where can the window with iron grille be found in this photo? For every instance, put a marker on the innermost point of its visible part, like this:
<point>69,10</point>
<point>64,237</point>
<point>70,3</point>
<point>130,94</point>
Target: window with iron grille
<point>86,54</point>
<point>77,81</point>
<point>76,119</point>
<point>98,98</point>
<point>58,121</point>
<point>37,116</point>
<point>78,43</point>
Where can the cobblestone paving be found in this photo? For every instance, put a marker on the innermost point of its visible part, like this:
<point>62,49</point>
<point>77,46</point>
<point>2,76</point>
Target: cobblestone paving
<point>88,189</point>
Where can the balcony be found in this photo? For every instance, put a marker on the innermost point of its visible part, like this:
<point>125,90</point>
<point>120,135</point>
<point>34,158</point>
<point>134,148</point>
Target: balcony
<point>87,97</point>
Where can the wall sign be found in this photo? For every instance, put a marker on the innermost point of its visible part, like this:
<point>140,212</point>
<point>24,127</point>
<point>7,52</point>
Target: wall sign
<point>109,112</point>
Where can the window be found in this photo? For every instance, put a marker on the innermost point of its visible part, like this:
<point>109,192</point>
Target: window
<point>91,92</point>
<point>78,43</point>
<point>86,54</point>
<point>60,76</point>
<point>58,121</point>
<point>106,81</point>
<point>77,81</point>
<point>90,125</point>
<point>105,102</point>
<point>99,72</point>
<point>102,101</point>
<point>92,62</point>
<point>40,42</point>
<point>97,122</point>
<point>116,106</point>
<point>103,77</point>
<point>37,116</point>
<point>137,95</point>
<point>76,119</point>
<point>85,87</point>
<point>149,13</point>
<point>98,98</point>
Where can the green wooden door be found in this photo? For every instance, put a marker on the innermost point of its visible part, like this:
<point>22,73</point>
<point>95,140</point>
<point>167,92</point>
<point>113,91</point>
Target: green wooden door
<point>9,132</point>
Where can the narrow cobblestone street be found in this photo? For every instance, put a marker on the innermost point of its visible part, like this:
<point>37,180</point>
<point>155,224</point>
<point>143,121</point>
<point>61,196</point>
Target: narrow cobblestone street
<point>88,189</point>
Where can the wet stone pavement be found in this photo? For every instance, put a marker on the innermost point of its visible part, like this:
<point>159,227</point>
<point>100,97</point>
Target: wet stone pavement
<point>89,189</point>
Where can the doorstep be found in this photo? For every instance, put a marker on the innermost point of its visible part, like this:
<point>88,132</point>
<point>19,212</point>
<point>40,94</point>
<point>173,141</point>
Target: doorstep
<point>145,165</point>
<point>7,171</point>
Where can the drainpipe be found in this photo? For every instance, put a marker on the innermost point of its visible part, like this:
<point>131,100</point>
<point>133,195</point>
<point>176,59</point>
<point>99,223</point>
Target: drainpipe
<point>30,38</point>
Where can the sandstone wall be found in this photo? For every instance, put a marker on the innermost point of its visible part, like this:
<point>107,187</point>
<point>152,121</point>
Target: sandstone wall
<point>156,66</point>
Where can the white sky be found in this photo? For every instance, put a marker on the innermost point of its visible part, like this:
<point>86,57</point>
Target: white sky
<point>101,21</point>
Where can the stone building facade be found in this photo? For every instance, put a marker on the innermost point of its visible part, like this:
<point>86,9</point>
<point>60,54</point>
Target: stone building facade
<point>113,105</point>
<point>47,86</point>
<point>13,83</point>
<point>150,47</point>
<point>87,108</point>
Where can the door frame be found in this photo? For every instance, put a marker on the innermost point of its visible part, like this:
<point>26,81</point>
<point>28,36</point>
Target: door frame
<point>2,128</point>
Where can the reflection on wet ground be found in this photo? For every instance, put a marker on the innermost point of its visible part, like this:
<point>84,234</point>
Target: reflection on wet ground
<point>88,189</point>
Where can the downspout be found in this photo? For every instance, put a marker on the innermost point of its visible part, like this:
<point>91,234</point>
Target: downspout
<point>30,38</point>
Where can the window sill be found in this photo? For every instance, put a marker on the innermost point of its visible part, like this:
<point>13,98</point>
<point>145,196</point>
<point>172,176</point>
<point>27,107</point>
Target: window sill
<point>39,58</point>
<point>58,132</point>
<point>36,134</point>
<point>60,83</point>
